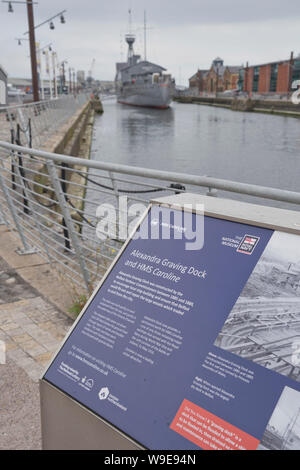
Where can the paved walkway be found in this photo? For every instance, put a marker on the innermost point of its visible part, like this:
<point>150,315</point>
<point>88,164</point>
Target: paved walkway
<point>32,328</point>
<point>33,299</point>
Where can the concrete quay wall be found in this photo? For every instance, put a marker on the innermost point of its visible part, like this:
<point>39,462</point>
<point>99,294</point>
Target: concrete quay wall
<point>285,108</point>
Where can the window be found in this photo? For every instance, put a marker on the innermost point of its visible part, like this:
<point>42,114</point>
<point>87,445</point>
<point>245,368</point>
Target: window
<point>274,75</point>
<point>255,79</point>
<point>241,80</point>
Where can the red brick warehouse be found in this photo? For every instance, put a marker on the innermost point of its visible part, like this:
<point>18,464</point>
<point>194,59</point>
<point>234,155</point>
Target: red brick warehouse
<point>273,77</point>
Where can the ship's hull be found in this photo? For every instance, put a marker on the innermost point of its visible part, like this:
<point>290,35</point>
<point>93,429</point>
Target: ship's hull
<point>148,95</point>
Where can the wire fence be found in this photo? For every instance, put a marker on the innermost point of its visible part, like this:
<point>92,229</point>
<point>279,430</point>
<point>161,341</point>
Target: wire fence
<point>52,203</point>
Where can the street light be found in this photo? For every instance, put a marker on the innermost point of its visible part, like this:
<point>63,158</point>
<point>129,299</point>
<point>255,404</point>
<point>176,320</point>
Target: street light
<point>20,40</point>
<point>31,32</point>
<point>48,46</point>
<point>49,21</point>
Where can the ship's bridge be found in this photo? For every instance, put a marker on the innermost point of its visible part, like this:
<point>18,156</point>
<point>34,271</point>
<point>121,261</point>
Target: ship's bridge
<point>140,69</point>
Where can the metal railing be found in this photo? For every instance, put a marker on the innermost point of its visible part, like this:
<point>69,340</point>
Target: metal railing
<point>39,121</point>
<point>51,202</point>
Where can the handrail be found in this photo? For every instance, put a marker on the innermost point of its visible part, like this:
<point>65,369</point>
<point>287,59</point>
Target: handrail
<point>35,103</point>
<point>264,192</point>
<point>33,124</point>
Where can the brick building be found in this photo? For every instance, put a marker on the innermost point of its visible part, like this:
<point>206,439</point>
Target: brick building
<point>231,77</point>
<point>273,77</point>
<point>218,78</point>
<point>198,80</point>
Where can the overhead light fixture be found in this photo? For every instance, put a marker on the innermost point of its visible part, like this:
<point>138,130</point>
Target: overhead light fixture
<point>10,8</point>
<point>50,48</point>
<point>62,19</point>
<point>19,42</point>
<point>52,25</point>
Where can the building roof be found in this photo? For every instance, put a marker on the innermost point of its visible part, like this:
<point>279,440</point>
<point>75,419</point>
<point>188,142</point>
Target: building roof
<point>26,82</point>
<point>144,67</point>
<point>19,81</point>
<point>234,68</point>
<point>194,76</point>
<point>203,72</point>
<point>219,69</point>
<point>269,63</point>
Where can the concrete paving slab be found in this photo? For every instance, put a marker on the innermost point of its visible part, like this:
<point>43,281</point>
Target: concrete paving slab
<point>32,328</point>
<point>9,244</point>
<point>20,427</point>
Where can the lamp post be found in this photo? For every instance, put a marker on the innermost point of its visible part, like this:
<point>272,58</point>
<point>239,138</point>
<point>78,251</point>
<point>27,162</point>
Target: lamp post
<point>54,57</point>
<point>74,82</point>
<point>39,51</point>
<point>34,74</point>
<point>63,75</point>
<point>31,33</point>
<point>46,54</point>
<point>70,81</point>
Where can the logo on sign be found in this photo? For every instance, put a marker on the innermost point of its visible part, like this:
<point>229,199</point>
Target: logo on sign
<point>248,245</point>
<point>104,393</point>
<point>89,383</point>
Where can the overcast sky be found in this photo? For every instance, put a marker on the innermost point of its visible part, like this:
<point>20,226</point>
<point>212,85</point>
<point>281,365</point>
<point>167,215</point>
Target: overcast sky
<point>184,35</point>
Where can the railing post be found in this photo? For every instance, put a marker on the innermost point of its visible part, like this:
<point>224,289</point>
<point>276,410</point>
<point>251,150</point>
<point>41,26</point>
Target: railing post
<point>114,185</point>
<point>64,190</point>
<point>23,125</point>
<point>3,220</point>
<point>27,249</point>
<point>116,192</point>
<point>69,222</point>
<point>37,223</point>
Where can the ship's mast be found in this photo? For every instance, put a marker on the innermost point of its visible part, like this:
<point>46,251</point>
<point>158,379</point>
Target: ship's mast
<point>146,29</point>
<point>130,39</point>
<point>145,35</point>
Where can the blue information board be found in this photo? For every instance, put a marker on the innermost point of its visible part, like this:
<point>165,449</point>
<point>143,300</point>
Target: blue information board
<point>193,349</point>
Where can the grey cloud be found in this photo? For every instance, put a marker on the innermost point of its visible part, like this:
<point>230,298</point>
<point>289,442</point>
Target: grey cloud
<point>185,35</point>
<point>170,12</point>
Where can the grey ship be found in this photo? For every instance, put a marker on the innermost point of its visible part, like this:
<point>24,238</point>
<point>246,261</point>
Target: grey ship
<point>142,83</point>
